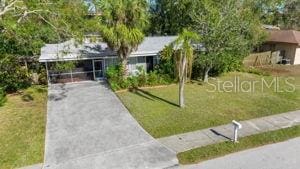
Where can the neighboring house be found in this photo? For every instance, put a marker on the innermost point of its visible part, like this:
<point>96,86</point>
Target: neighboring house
<point>287,42</point>
<point>92,59</point>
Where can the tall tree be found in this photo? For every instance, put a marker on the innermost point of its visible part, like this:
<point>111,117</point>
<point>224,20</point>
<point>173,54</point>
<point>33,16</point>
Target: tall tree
<point>291,15</point>
<point>282,13</point>
<point>268,11</point>
<point>228,33</point>
<point>122,25</point>
<point>170,17</point>
<point>183,52</point>
<point>26,25</point>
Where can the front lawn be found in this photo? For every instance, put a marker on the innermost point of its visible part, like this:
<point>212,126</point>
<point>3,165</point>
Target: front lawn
<point>157,111</point>
<point>221,149</point>
<point>22,128</point>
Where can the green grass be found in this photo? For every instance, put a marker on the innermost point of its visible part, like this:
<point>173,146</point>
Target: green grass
<point>22,128</point>
<point>221,149</point>
<point>157,111</point>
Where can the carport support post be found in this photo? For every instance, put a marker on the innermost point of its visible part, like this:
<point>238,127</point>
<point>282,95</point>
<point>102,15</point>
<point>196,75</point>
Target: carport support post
<point>47,71</point>
<point>94,69</point>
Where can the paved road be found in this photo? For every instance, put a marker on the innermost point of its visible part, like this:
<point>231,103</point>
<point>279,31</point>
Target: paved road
<point>285,155</point>
<point>89,128</point>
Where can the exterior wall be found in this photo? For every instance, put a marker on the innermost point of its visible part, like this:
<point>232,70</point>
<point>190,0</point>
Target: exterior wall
<point>135,62</point>
<point>85,69</point>
<point>297,56</point>
<point>290,50</point>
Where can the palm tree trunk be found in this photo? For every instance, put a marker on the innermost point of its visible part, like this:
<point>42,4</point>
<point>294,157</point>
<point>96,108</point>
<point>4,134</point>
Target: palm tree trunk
<point>182,81</point>
<point>205,76</point>
<point>124,66</point>
<point>124,60</point>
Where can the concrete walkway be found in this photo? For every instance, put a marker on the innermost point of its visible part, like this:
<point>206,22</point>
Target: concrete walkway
<point>36,166</point>
<point>89,128</point>
<point>200,138</point>
<point>284,155</point>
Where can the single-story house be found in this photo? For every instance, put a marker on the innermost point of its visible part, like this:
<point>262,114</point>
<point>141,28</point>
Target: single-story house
<point>287,42</point>
<point>92,59</point>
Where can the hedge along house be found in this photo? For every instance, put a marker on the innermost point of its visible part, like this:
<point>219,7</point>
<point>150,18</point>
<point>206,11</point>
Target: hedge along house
<point>91,60</point>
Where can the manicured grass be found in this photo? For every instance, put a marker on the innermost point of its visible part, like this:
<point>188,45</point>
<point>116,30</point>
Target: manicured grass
<point>22,128</point>
<point>157,111</point>
<point>221,149</point>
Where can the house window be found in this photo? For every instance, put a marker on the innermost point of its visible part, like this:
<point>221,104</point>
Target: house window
<point>141,59</point>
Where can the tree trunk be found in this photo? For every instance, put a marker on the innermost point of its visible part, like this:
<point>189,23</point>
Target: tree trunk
<point>205,76</point>
<point>124,66</point>
<point>182,81</point>
<point>124,60</point>
<point>181,94</point>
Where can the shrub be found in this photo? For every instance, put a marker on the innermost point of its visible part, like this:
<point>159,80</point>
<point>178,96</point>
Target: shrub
<point>133,81</point>
<point>141,76</point>
<point>165,79</point>
<point>115,78</point>
<point>12,75</point>
<point>139,79</point>
<point>166,66</point>
<point>153,78</point>
<point>2,97</point>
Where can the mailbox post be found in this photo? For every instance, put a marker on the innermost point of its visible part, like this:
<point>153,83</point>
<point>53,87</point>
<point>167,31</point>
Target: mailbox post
<point>237,126</point>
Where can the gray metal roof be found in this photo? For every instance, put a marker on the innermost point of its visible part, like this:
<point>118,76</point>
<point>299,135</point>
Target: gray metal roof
<point>71,51</point>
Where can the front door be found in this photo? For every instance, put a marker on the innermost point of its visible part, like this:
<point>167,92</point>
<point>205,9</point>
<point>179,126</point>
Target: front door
<point>149,62</point>
<point>98,69</point>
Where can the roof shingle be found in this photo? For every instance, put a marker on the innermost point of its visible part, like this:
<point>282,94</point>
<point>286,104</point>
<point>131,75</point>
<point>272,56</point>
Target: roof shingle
<point>284,36</point>
<point>71,51</point>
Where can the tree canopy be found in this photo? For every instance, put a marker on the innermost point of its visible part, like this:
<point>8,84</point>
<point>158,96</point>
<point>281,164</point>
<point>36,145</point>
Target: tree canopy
<point>26,25</point>
<point>282,13</point>
<point>170,17</point>
<point>122,25</point>
<point>228,33</point>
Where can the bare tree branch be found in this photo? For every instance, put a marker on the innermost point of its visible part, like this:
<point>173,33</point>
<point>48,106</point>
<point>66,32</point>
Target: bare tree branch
<point>8,7</point>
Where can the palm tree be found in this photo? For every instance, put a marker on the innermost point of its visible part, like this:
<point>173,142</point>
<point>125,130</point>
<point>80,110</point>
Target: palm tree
<point>122,25</point>
<point>183,54</point>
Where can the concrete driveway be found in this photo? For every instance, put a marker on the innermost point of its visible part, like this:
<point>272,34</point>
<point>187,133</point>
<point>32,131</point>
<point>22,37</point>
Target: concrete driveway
<point>89,128</point>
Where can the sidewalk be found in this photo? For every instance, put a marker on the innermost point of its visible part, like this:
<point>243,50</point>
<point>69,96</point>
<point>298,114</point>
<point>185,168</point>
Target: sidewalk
<point>200,138</point>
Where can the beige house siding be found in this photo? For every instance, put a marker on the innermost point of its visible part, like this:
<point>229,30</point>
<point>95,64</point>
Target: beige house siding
<point>290,50</point>
<point>297,56</point>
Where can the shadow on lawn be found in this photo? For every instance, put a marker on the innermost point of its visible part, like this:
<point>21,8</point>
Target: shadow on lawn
<point>150,96</point>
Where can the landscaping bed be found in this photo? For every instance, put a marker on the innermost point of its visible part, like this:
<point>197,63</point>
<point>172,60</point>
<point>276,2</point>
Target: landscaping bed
<point>22,128</point>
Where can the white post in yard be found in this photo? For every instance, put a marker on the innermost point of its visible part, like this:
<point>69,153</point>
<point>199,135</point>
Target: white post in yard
<point>237,126</point>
